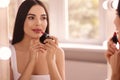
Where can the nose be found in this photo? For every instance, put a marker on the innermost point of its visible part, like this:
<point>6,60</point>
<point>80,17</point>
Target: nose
<point>115,20</point>
<point>38,22</point>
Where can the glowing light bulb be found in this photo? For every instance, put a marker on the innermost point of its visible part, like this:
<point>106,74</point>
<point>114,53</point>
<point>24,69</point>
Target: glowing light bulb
<point>5,53</point>
<point>105,4</point>
<point>114,4</point>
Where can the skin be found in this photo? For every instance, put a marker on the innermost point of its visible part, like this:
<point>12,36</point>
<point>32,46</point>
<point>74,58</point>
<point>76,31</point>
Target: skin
<point>34,57</point>
<point>113,54</point>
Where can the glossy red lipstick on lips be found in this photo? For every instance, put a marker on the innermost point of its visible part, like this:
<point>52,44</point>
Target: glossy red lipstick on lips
<point>37,31</point>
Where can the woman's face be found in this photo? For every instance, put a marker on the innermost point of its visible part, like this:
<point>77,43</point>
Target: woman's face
<point>35,22</point>
<point>117,23</point>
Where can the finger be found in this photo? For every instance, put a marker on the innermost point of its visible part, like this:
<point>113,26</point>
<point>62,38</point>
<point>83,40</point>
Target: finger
<point>47,45</point>
<point>110,49</point>
<point>51,44</point>
<point>39,50</point>
<point>55,39</point>
<point>52,38</point>
<point>42,50</point>
<point>108,55</point>
<point>51,41</point>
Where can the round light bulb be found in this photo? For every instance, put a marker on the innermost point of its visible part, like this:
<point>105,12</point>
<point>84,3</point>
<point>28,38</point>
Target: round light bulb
<point>5,53</point>
<point>114,4</point>
<point>105,4</point>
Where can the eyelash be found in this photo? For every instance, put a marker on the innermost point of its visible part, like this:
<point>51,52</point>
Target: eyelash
<point>44,18</point>
<point>31,17</point>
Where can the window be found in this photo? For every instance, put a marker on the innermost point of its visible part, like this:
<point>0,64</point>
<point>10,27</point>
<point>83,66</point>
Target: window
<point>83,19</point>
<point>78,21</point>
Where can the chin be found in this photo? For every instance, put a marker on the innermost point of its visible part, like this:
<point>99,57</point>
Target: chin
<point>35,37</point>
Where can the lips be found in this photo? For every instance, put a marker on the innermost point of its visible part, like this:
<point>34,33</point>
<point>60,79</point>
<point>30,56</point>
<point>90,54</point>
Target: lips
<point>37,30</point>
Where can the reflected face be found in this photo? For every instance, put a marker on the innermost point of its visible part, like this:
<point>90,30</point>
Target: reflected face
<point>35,22</point>
<point>117,23</point>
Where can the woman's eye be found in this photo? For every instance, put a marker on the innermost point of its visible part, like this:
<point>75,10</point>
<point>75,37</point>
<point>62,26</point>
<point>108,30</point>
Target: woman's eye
<point>31,17</point>
<point>44,18</point>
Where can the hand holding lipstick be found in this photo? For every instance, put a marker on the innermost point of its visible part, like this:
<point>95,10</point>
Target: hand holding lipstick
<point>51,46</point>
<point>112,46</point>
<point>113,55</point>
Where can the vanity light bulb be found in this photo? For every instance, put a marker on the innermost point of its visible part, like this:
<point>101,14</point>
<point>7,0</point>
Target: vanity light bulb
<point>114,4</point>
<point>105,4</point>
<point>5,53</point>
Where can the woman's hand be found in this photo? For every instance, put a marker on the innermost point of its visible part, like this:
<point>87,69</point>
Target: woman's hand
<point>55,59</point>
<point>51,45</point>
<point>111,49</point>
<point>113,58</point>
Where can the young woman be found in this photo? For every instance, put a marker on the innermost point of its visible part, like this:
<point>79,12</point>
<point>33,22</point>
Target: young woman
<point>31,59</point>
<point>113,53</point>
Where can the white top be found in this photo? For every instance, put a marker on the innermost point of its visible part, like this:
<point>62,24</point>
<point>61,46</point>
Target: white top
<point>16,74</point>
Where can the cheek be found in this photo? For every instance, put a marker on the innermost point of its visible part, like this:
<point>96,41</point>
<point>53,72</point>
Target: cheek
<point>117,22</point>
<point>45,25</point>
<point>28,24</point>
<point>27,28</point>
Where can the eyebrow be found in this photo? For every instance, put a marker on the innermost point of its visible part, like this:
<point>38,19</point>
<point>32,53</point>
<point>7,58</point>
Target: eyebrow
<point>35,15</point>
<point>43,15</point>
<point>31,14</point>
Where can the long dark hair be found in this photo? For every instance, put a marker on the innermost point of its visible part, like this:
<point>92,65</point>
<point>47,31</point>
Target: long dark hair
<point>23,10</point>
<point>118,8</point>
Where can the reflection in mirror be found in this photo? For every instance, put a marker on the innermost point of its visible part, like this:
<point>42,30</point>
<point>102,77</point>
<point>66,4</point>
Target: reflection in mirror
<point>79,60</point>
